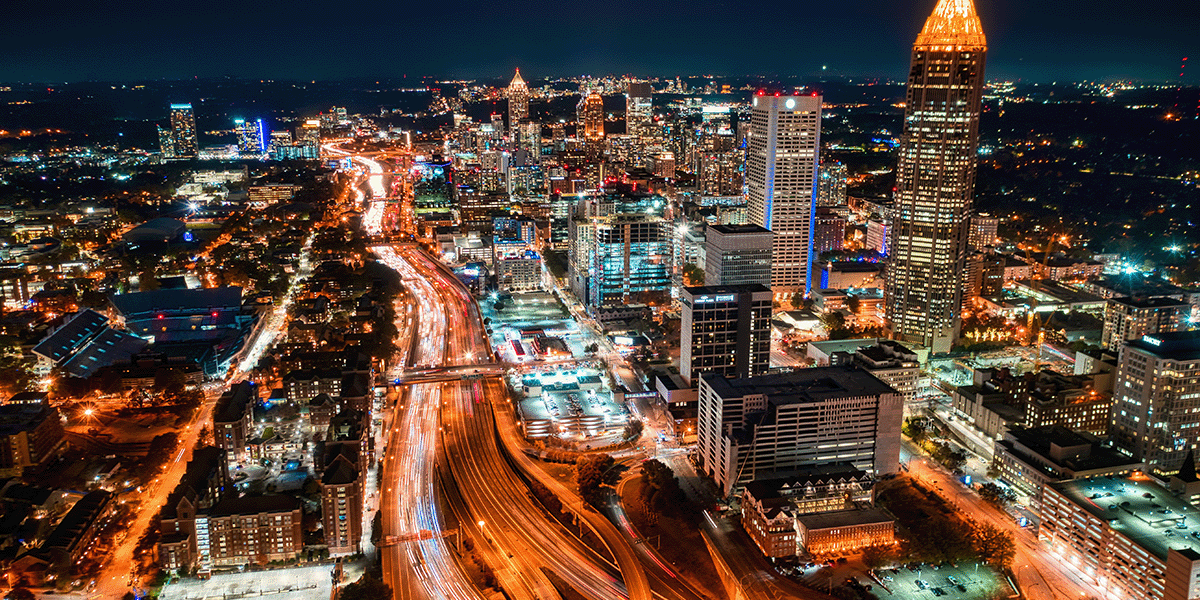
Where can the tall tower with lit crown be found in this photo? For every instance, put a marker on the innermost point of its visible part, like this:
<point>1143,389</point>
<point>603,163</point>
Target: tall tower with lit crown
<point>935,178</point>
<point>518,100</point>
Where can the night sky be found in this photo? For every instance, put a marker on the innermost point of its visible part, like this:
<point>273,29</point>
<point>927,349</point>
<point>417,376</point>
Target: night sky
<point>1031,40</point>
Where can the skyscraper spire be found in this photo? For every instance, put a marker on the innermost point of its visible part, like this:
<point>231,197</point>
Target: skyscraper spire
<point>517,80</point>
<point>518,101</point>
<point>953,23</point>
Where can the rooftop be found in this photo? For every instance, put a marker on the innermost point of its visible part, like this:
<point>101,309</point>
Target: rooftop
<point>1179,345</point>
<point>740,229</point>
<point>845,518</point>
<point>953,23</point>
<point>803,385</point>
<point>1139,509</point>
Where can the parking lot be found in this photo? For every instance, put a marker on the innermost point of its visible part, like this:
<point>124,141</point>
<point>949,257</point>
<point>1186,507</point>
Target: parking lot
<point>962,582</point>
<point>300,583</point>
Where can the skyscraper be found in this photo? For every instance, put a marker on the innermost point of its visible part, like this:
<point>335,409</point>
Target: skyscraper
<point>166,142</point>
<point>183,130</point>
<point>252,138</point>
<point>518,100</point>
<point>1154,415</point>
<point>591,117</point>
<point>725,330</point>
<point>935,178</point>
<point>639,107</point>
<point>832,188</point>
<point>737,255</point>
<point>781,176</point>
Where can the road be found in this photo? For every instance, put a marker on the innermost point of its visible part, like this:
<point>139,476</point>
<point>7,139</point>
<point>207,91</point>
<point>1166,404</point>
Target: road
<point>408,496</point>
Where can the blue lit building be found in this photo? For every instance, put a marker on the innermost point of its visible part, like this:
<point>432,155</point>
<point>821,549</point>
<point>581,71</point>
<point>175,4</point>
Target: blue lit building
<point>621,247</point>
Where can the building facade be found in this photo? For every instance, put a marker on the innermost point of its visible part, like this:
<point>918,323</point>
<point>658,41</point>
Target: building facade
<point>518,101</point>
<point>639,107</point>
<point>1128,319</point>
<point>1156,415</point>
<point>753,427</point>
<point>737,255</point>
<point>725,330</point>
<point>935,178</point>
<point>183,131</point>
<point>781,177</point>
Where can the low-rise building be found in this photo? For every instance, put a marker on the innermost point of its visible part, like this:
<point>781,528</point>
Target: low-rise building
<point>1030,459</point>
<point>844,531</point>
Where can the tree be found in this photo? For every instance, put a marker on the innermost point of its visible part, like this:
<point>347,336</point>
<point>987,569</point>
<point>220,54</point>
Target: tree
<point>20,593</point>
<point>994,545</point>
<point>590,472</point>
<point>377,528</point>
<point>693,275</point>
<point>853,303</point>
<point>999,496</point>
<point>633,430</point>
<point>366,588</point>
<point>834,321</point>
<point>662,491</point>
<point>878,556</point>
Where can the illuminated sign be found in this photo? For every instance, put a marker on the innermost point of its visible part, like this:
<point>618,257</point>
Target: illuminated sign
<point>624,341</point>
<point>1152,341</point>
<point>716,298</point>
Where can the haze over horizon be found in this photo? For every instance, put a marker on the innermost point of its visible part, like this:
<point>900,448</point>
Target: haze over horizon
<point>1071,40</point>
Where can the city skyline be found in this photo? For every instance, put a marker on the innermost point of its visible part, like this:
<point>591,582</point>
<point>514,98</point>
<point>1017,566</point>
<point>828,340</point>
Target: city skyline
<point>1032,41</point>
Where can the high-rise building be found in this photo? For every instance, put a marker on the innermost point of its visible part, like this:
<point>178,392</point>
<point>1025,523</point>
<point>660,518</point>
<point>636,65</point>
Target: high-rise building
<point>725,330</point>
<point>518,100</point>
<point>166,142</point>
<point>877,236</point>
<point>755,427</point>
<point>620,247</point>
<point>829,231</point>
<point>983,231</point>
<point>1156,390</point>
<point>1128,318</point>
<point>737,255</point>
<point>529,139</point>
<point>252,139</point>
<point>831,189</point>
<point>639,107</point>
<point>781,176</point>
<point>935,178</point>
<point>591,117</point>
<point>183,130</point>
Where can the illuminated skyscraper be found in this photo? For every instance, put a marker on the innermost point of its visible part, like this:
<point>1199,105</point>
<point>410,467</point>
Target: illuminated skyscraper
<point>252,138</point>
<point>639,107</point>
<point>591,117</point>
<point>935,178</point>
<point>166,143</point>
<point>183,130</point>
<point>831,191</point>
<point>781,176</point>
<point>518,100</point>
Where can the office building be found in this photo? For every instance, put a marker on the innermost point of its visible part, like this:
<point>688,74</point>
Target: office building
<point>1128,319</point>
<point>753,427</point>
<point>590,123</point>
<point>935,178</point>
<point>781,178</point>
<point>829,231</point>
<point>518,100</point>
<point>620,248</point>
<point>1156,390</point>
<point>893,364</point>
<point>1128,536</point>
<point>529,140</point>
<point>725,330</point>
<point>831,186</point>
<point>183,131</point>
<point>983,231</point>
<point>252,137</point>
<point>639,107</point>
<point>1029,459</point>
<point>737,255</point>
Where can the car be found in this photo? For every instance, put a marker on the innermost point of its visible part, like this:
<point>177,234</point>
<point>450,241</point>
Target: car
<point>951,579</point>
<point>921,584</point>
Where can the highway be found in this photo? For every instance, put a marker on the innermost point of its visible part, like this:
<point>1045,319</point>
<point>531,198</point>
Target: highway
<point>423,568</point>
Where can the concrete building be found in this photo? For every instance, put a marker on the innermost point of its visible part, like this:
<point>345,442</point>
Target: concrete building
<point>30,435</point>
<point>1157,390</point>
<point>737,255</point>
<point>725,330</point>
<point>518,101</point>
<point>893,364</point>
<point>1127,535</point>
<point>232,418</point>
<point>1030,459</point>
<point>831,186</point>
<point>781,177</point>
<point>342,500</point>
<point>1128,319</point>
<point>844,532</point>
<point>771,507</point>
<point>983,231</point>
<point>829,231</point>
<point>935,178</point>
<point>752,427</point>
